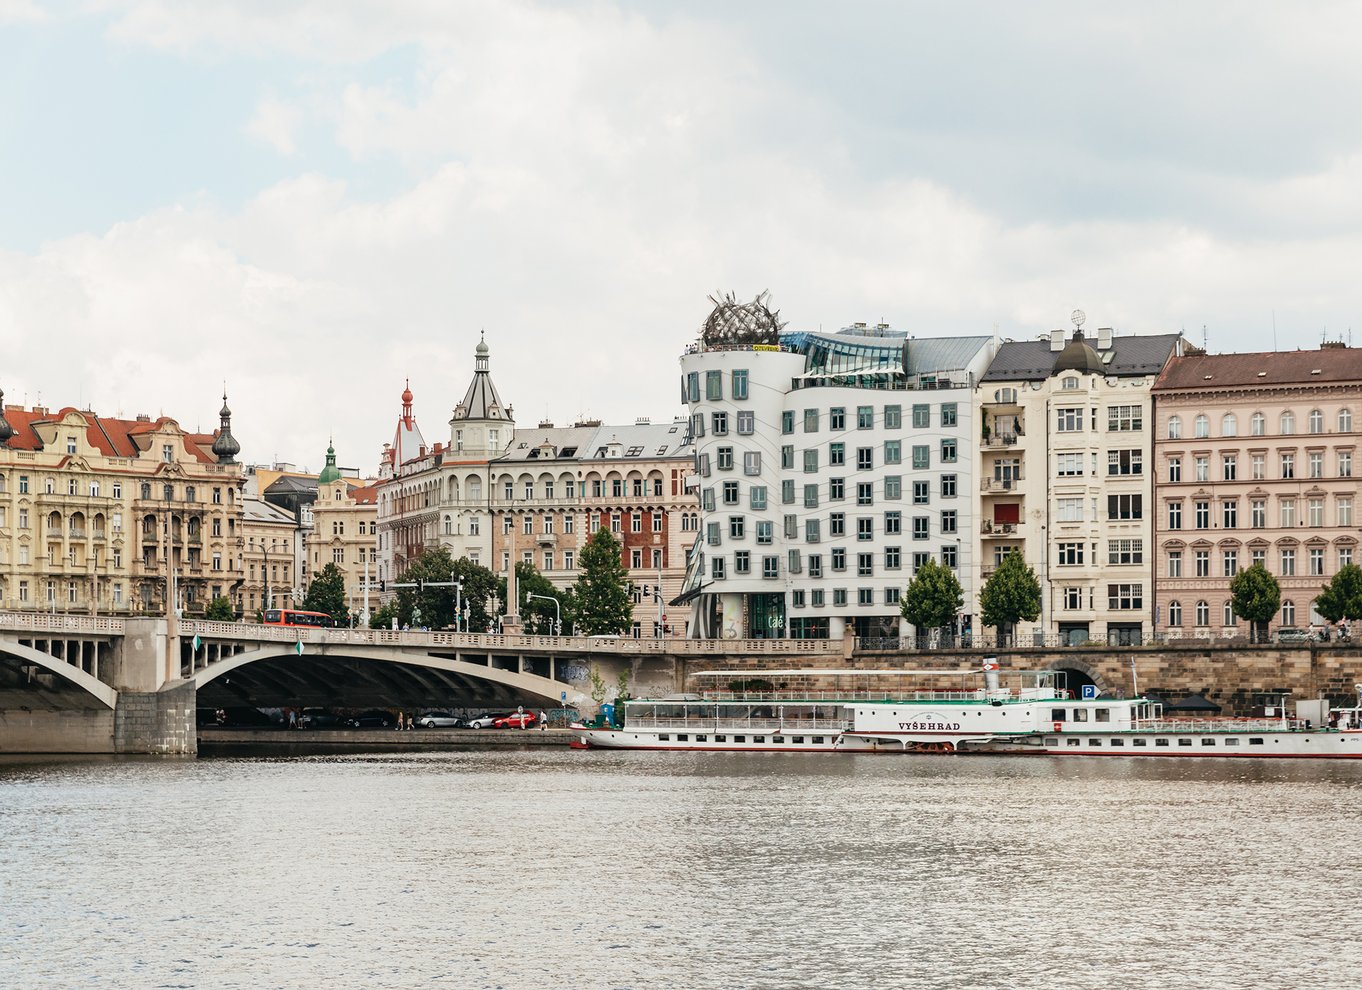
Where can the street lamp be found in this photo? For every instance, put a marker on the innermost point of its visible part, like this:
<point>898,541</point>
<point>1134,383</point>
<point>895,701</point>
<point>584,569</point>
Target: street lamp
<point>557,609</point>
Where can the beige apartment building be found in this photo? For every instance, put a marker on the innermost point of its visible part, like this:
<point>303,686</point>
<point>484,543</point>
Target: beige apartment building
<point>101,515</point>
<point>345,533</point>
<point>268,548</point>
<point>1255,460</point>
<point>1063,453</point>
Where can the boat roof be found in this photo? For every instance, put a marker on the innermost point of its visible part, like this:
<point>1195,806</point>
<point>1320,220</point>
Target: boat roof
<point>756,675</point>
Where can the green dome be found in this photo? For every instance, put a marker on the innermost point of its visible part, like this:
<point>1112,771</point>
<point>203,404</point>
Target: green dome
<point>330,472</point>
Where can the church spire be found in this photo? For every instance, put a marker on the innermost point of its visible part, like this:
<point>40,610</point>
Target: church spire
<point>225,446</point>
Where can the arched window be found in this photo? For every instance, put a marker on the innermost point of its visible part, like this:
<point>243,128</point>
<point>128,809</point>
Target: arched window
<point>1258,424</point>
<point>1229,425</point>
<point>1288,613</point>
<point>1288,423</point>
<point>1069,384</point>
<point>1174,427</point>
<point>1227,618</point>
<point>1345,421</point>
<point>1203,613</point>
<point>1203,425</point>
<point>1175,613</point>
<point>474,489</point>
<point>1316,421</point>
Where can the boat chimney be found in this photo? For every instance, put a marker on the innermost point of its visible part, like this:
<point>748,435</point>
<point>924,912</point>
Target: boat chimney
<point>990,673</point>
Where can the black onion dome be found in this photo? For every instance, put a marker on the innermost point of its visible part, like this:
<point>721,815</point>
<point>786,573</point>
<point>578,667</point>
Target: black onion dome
<point>225,446</point>
<point>1078,355</point>
<point>6,431</point>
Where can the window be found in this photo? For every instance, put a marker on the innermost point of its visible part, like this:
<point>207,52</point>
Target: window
<point>1125,597</point>
<point>893,558</point>
<point>1229,513</point>
<point>1316,421</point>
<point>811,460</point>
<point>1229,425</point>
<point>810,420</point>
<point>1288,566</point>
<point>737,527</point>
<point>1257,424</point>
<point>1201,426</point>
<point>1175,515</point>
<point>865,417</point>
<point>837,418</point>
<point>716,568</point>
<point>756,496</point>
<point>1315,462</point>
<point>1288,466</point>
<point>1288,507</point>
<point>865,564</point>
<point>770,567</point>
<point>1068,420</point>
<point>1229,563</point>
<point>787,458</point>
<point>1203,468</point>
<point>765,531</point>
<point>837,524</point>
<point>787,421</point>
<point>1316,561</point>
<point>1229,467</point>
<point>1288,422</point>
<point>893,417</point>
<point>1175,613</point>
<point>739,383</point>
<point>921,457</point>
<point>947,486</point>
<point>865,528</point>
<point>893,485</point>
<point>810,496</point>
<point>837,489</point>
<point>837,454</point>
<point>1288,613</point>
<point>1125,506</point>
<point>1125,462</point>
<point>1345,464</point>
<point>712,534</point>
<point>893,452</point>
<point>1069,510</point>
<point>1069,465</point>
<point>920,527</point>
<point>1203,515</point>
<point>1174,427</point>
<point>1125,551</point>
<point>921,417</point>
<point>865,458</point>
<point>839,558</point>
<point>787,491</point>
<point>1345,510</point>
<point>1125,419</point>
<point>746,423</point>
<point>865,493</point>
<point>950,555</point>
<point>1070,554</point>
<point>948,451</point>
<point>949,414</point>
<point>948,521</point>
<point>742,562</point>
<point>1314,512</point>
<point>812,531</point>
<point>1203,563</point>
<point>1175,563</point>
<point>714,386</point>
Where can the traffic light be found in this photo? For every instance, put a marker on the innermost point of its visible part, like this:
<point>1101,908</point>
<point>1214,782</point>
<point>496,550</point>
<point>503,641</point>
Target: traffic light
<point>382,585</point>
<point>646,596</point>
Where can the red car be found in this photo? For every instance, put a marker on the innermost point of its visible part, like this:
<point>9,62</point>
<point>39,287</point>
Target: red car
<point>516,720</point>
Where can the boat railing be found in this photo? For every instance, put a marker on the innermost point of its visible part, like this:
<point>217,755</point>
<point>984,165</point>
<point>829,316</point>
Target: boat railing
<point>766,697</point>
<point>739,724</point>
<point>1193,725</point>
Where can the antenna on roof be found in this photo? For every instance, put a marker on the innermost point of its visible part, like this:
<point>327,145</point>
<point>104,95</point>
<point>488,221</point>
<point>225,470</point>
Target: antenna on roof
<point>1274,329</point>
<point>1204,346</point>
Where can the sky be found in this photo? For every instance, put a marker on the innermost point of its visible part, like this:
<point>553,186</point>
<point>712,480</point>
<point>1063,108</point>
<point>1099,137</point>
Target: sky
<point>315,201</point>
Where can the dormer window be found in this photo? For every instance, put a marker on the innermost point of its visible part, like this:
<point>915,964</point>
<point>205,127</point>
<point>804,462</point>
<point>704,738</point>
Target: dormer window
<point>167,453</point>
<point>70,445</point>
<point>1069,384</point>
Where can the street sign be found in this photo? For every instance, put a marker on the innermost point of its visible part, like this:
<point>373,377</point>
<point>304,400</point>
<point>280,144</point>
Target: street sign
<point>1089,692</point>
<point>299,647</point>
<point>197,642</point>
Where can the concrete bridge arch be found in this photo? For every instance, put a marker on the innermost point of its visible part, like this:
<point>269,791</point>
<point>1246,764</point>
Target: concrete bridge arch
<point>89,688</point>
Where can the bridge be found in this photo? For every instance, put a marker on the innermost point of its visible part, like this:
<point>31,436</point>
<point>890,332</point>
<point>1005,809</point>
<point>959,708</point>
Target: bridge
<point>72,683</point>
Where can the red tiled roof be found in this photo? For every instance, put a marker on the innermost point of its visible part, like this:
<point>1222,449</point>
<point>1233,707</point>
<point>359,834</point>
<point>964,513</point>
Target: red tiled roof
<point>111,437</point>
<point>1193,371</point>
<point>365,496</point>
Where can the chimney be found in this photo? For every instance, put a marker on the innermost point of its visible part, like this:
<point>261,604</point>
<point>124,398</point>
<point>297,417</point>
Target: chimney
<point>545,424</point>
<point>1056,340</point>
<point>1104,338</point>
<point>643,421</point>
<point>141,417</point>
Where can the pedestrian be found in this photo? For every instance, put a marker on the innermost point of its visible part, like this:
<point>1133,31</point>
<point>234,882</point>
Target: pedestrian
<point>543,720</point>
<point>411,721</point>
<point>399,721</point>
<point>292,718</point>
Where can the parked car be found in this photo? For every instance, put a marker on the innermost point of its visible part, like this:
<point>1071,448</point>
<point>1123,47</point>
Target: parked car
<point>439,720</point>
<point>372,720</point>
<point>486,720</point>
<point>1289,634</point>
<point>516,720</point>
<point>319,718</point>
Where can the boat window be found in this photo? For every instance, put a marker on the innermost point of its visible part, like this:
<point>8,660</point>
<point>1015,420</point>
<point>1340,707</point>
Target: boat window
<point>663,736</point>
<point>1208,742</point>
<point>759,739</point>
<point>1095,742</point>
<point>1103,715</point>
<point>1184,742</point>
<point>1160,742</point>
<point>1073,742</point>
<point>1057,714</point>
<point>1052,740</point>
<point>1118,742</point>
<point>1139,742</point>
<point>798,739</point>
<point>741,739</point>
<point>777,739</point>
<point>682,737</point>
<point>818,740</point>
<point>721,738</point>
<point>702,738</point>
<point>1080,714</point>
<point>1255,742</point>
<point>1231,742</point>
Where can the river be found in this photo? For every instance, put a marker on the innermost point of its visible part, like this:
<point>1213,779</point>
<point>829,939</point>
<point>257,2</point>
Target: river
<point>554,868</point>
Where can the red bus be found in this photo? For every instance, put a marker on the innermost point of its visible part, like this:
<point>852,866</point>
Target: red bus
<point>294,617</point>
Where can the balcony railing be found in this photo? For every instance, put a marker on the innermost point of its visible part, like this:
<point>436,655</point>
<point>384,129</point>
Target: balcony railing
<point>1000,484</point>
<point>1001,440</point>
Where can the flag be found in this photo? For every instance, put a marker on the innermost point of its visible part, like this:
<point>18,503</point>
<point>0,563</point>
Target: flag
<point>990,664</point>
<point>197,642</point>
<point>299,647</point>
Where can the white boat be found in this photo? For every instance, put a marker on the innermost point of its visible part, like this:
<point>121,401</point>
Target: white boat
<point>1024,712</point>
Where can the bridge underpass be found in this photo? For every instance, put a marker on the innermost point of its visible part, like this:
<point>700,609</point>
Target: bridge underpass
<point>51,701</point>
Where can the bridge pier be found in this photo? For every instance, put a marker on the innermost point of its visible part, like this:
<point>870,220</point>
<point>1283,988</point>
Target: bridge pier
<point>160,722</point>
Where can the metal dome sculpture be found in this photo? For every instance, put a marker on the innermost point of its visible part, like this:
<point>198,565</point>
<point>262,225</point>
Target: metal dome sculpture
<point>732,323</point>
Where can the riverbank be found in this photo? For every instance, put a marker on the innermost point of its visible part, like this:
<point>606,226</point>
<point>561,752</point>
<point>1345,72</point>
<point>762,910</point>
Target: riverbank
<point>213,740</point>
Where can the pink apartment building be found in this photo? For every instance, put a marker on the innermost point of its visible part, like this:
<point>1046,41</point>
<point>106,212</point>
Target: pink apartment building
<point>1254,460</point>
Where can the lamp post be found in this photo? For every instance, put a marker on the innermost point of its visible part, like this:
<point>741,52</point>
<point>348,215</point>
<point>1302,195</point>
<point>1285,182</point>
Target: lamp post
<point>557,610</point>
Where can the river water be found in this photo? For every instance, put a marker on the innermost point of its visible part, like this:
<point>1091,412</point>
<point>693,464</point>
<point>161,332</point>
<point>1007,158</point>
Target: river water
<point>551,868</point>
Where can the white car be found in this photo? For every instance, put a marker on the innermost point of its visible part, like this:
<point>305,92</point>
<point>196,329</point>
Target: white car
<point>486,720</point>
<point>439,720</point>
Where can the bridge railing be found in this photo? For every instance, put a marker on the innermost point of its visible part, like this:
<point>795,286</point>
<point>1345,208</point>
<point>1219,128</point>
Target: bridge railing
<point>238,631</point>
<point>49,622</point>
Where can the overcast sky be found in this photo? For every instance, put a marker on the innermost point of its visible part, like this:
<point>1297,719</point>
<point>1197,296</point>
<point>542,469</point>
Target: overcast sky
<point>317,200</point>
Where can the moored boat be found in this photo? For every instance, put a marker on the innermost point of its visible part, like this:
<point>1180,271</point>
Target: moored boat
<point>1021,712</point>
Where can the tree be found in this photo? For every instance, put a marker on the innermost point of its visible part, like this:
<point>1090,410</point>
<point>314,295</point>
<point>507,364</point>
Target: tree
<point>326,594</point>
<point>601,603</point>
<point>435,606</point>
<point>1011,594</point>
<point>220,610</point>
<point>383,616</point>
<point>933,598</point>
<point>1256,597</point>
<point>536,614</point>
<point>1342,596</point>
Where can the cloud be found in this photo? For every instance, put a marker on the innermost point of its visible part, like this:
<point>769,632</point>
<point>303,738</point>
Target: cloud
<point>276,123</point>
<point>21,11</point>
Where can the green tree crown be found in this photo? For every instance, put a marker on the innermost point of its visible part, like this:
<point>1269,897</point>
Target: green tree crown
<point>1255,594</point>
<point>1341,597</point>
<point>933,597</point>
<point>326,594</point>
<point>1011,593</point>
<point>600,600</point>
<point>220,610</point>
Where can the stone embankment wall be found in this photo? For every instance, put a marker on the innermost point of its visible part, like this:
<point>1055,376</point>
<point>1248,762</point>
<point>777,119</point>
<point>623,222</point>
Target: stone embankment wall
<point>157,722</point>
<point>56,731</point>
<point>1238,677</point>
